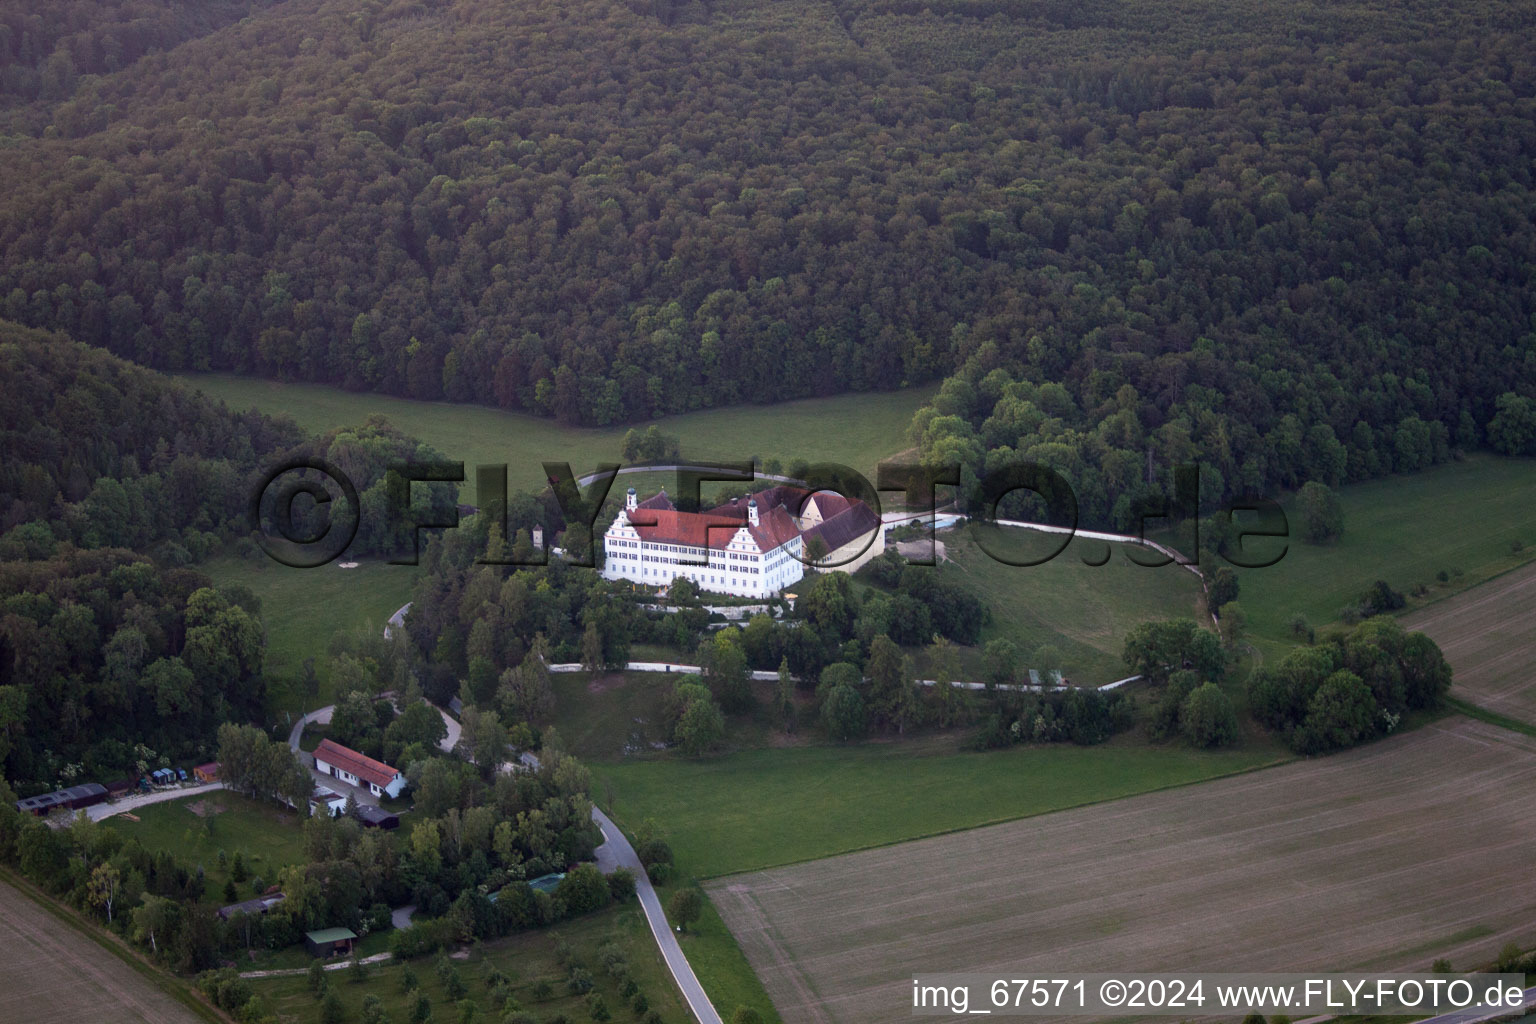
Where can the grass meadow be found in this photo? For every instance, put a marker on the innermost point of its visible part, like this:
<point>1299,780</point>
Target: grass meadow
<point>1462,518</point>
<point>854,430</point>
<point>1322,864</point>
<point>303,608</point>
<point>196,829</point>
<point>766,807</point>
<point>1081,609</point>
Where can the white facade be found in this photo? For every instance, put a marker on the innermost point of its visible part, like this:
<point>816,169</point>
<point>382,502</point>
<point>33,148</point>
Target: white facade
<point>393,789</point>
<point>738,566</point>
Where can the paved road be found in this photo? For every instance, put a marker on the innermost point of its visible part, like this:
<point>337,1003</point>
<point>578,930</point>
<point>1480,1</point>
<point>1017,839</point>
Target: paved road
<point>454,731</point>
<point>617,853</point>
<point>320,715</point>
<point>672,467</point>
<point>397,619</point>
<point>1478,1016</point>
<point>452,739</point>
<point>128,803</point>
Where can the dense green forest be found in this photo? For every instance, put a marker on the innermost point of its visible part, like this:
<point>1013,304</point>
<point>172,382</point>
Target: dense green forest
<point>1220,226</point>
<point>46,47</point>
<point>103,453</point>
<point>110,665</point>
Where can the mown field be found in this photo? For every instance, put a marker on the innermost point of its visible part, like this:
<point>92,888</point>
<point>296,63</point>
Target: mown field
<point>198,828</point>
<point>53,974</point>
<point>1083,610</point>
<point>854,430</point>
<point>303,608</point>
<point>526,959</point>
<point>1382,858</point>
<point>764,807</point>
<point>1488,634</point>
<point>1462,518</point>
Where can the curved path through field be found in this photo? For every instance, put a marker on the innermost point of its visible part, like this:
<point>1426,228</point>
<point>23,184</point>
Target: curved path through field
<point>128,803</point>
<point>616,852</point>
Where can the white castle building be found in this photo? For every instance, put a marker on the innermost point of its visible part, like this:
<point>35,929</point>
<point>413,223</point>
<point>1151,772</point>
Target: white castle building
<point>749,548</point>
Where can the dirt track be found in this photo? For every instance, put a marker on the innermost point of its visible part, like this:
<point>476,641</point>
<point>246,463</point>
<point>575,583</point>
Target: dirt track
<point>1488,634</point>
<point>51,974</point>
<point>1380,858</point>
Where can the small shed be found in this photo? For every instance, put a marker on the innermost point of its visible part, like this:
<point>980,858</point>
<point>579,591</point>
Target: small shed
<point>377,817</point>
<point>253,908</point>
<point>332,802</point>
<point>74,798</point>
<point>207,772</point>
<point>326,942</point>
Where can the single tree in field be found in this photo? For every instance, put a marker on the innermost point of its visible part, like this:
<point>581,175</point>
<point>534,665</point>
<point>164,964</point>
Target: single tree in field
<point>1322,517</point>
<point>106,881</point>
<point>1234,621</point>
<point>684,907</point>
<point>1000,662</point>
<point>784,696</point>
<point>1221,588</point>
<point>1207,717</point>
<point>843,714</point>
<point>701,725</point>
<point>746,1015</point>
<point>1048,663</point>
<point>592,648</point>
<point>725,666</point>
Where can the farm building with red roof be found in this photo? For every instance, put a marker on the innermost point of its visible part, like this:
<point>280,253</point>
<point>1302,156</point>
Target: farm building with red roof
<point>749,547</point>
<point>358,769</point>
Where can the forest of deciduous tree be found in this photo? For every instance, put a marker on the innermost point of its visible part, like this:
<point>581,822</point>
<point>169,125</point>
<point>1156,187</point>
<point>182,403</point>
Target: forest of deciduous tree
<point>1294,240</point>
<point>103,453</point>
<point>604,212</point>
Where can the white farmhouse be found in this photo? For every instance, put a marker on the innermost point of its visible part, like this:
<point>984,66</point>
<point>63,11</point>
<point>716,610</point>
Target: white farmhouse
<point>749,548</point>
<point>357,769</point>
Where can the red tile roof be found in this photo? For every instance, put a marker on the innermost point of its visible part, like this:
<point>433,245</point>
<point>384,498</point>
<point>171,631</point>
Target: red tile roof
<point>856,521</point>
<point>792,498</point>
<point>830,503</point>
<point>686,529</point>
<point>659,500</point>
<point>774,528</point>
<point>364,767</point>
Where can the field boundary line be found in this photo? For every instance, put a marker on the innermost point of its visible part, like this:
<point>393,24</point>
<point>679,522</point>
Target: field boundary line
<point>1285,759</point>
<point>1404,613</point>
<point>163,980</point>
<point>1482,714</point>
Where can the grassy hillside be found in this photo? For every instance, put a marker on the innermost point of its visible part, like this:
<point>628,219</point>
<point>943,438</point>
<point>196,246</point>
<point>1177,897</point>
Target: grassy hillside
<point>1083,610</point>
<point>197,829</point>
<point>303,608</point>
<point>1462,518</point>
<point>760,808</point>
<point>855,430</point>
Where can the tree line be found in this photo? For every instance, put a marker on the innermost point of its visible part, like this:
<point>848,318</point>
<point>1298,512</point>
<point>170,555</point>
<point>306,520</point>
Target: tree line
<point>592,212</point>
